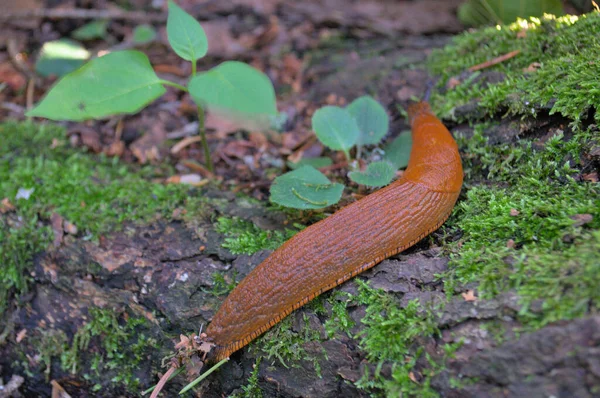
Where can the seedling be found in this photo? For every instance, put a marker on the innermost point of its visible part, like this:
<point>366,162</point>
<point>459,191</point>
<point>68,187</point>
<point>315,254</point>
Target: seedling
<point>124,82</point>
<point>363,122</point>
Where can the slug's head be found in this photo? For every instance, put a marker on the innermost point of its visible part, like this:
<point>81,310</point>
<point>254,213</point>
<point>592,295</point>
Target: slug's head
<point>416,110</point>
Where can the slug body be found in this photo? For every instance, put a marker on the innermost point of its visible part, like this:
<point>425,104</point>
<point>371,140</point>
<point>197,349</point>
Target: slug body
<point>348,242</point>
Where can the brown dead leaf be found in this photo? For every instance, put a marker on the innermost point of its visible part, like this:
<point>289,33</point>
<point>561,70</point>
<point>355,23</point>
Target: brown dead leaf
<point>90,138</point>
<point>222,42</point>
<point>532,67</point>
<point>581,219</point>
<point>510,244</point>
<point>21,335</point>
<point>514,212</point>
<point>115,149</point>
<point>412,377</point>
<point>469,295</point>
<point>146,148</point>
<point>56,221</point>
<point>58,391</point>
<point>6,206</point>
<point>452,83</point>
<point>11,76</point>
<point>237,149</point>
<point>69,227</point>
<point>591,177</point>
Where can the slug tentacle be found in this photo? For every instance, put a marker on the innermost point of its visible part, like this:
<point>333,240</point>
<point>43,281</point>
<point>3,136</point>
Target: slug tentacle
<point>350,241</point>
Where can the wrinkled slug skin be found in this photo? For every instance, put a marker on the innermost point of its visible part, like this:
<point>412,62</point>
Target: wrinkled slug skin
<point>348,242</point>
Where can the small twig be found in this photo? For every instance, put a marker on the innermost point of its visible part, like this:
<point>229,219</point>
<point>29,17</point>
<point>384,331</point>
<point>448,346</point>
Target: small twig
<point>494,61</point>
<point>163,380</point>
<point>185,142</point>
<point>30,92</point>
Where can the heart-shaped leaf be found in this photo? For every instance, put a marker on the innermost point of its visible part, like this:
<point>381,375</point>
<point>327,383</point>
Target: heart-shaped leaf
<point>397,152</point>
<point>305,188</point>
<point>90,31</point>
<point>377,174</point>
<point>185,34</point>
<point>372,120</point>
<point>143,34</point>
<point>119,82</point>
<point>335,128</point>
<point>235,87</point>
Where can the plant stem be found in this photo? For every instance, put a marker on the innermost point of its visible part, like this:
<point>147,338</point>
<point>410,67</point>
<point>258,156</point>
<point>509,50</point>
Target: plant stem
<point>347,153</point>
<point>203,376</point>
<point>193,68</point>
<point>173,84</point>
<point>209,164</point>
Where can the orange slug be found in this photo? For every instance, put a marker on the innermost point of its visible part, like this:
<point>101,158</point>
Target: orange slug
<point>348,242</point>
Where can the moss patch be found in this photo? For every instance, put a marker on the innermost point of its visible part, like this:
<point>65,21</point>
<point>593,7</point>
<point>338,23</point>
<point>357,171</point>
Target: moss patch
<point>244,237</point>
<point>95,193</point>
<point>123,348</point>
<point>554,69</point>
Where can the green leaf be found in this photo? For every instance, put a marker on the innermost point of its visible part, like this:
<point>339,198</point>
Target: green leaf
<point>60,57</point>
<point>317,163</point>
<point>335,128</point>
<point>485,12</point>
<point>397,152</point>
<point>377,174</point>
<point>372,120</point>
<point>305,188</point>
<point>119,82</point>
<point>185,34</point>
<point>90,31</point>
<point>234,87</point>
<point>143,34</point>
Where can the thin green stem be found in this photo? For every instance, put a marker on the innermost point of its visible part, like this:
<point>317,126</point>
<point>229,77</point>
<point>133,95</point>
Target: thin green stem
<point>194,68</point>
<point>208,159</point>
<point>173,84</point>
<point>202,376</point>
<point>347,153</point>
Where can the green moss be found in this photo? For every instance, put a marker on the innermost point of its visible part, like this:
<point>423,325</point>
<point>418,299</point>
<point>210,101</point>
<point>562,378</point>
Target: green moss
<point>124,348</point>
<point>287,346</point>
<point>251,389</point>
<point>95,193</point>
<point>562,49</point>
<point>522,232</point>
<point>390,337</point>
<point>244,237</point>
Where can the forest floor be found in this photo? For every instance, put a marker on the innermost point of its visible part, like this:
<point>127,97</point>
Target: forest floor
<point>108,257</point>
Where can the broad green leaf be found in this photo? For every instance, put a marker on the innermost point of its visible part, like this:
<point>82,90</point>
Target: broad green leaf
<point>185,34</point>
<point>143,34</point>
<point>485,12</point>
<point>397,152</point>
<point>372,120</point>
<point>377,174</point>
<point>317,163</point>
<point>119,82</point>
<point>90,31</point>
<point>234,87</point>
<point>335,128</point>
<point>60,57</point>
<point>305,188</point>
